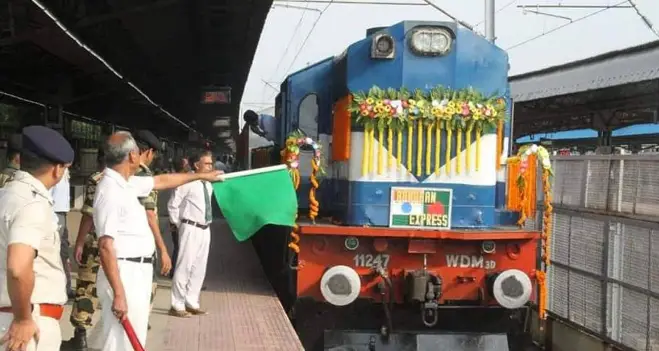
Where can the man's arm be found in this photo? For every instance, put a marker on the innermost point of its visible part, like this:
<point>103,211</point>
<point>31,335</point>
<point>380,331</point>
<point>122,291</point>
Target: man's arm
<point>87,219</point>
<point>29,226</point>
<point>20,279</point>
<point>169,181</point>
<point>107,219</point>
<point>108,259</point>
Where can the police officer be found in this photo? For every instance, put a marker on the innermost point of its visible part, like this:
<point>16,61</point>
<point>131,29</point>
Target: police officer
<point>32,281</point>
<point>86,254</point>
<point>13,158</point>
<point>149,145</point>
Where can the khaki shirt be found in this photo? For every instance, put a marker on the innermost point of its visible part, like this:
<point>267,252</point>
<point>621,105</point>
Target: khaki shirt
<point>149,202</point>
<point>27,217</point>
<point>6,174</point>
<point>89,193</point>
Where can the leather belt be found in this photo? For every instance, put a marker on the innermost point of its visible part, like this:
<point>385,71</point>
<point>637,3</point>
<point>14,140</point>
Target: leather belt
<point>198,225</point>
<point>137,259</point>
<point>45,310</point>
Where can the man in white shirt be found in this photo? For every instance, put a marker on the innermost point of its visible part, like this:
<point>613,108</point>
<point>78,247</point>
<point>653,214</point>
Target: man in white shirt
<point>190,210</point>
<point>126,243</point>
<point>61,194</point>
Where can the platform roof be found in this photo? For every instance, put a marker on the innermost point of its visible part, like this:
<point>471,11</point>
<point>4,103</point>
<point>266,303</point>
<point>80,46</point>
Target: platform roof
<point>611,69</point>
<point>170,49</point>
<point>607,91</point>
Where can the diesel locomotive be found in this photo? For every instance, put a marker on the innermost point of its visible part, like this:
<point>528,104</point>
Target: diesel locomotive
<point>398,148</point>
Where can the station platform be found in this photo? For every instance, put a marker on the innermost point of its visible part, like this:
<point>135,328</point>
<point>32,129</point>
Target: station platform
<point>244,312</point>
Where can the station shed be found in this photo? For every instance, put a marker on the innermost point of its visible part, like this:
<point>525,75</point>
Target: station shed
<point>603,280</point>
<point>605,92</point>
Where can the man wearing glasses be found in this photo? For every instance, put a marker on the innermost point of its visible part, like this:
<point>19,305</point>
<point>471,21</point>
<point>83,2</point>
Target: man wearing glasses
<point>190,211</point>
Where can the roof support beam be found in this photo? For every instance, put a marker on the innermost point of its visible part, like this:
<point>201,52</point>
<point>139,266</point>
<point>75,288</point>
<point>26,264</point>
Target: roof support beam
<point>87,22</point>
<point>90,21</point>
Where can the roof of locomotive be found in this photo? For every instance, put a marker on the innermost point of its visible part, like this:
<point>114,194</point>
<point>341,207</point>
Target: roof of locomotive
<point>475,45</point>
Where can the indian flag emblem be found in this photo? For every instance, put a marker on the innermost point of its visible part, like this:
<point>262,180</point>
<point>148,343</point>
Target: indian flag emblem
<point>420,208</point>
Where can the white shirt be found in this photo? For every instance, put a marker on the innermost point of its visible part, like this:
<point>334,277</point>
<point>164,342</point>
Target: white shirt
<point>119,214</point>
<point>26,217</point>
<point>187,202</point>
<point>61,194</point>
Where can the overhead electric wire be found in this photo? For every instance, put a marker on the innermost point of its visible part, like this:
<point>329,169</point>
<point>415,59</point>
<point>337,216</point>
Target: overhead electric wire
<point>340,2</point>
<point>499,10</point>
<point>464,24</point>
<point>290,41</point>
<point>562,26</point>
<point>308,36</point>
<point>645,20</point>
<point>106,64</point>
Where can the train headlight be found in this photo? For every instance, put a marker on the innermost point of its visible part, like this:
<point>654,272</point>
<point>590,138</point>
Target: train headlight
<point>431,41</point>
<point>512,288</point>
<point>340,285</point>
<point>382,46</point>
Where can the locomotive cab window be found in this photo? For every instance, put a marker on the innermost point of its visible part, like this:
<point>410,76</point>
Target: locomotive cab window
<point>308,116</point>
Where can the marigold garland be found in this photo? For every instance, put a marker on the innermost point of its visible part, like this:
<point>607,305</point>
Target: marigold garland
<point>291,157</point>
<point>458,111</point>
<point>519,168</point>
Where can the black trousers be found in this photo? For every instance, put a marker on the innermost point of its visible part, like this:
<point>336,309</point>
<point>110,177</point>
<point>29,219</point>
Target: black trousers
<point>175,240</point>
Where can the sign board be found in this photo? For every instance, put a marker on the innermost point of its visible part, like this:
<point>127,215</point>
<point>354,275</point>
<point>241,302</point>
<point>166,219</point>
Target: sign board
<point>420,208</point>
<point>220,95</point>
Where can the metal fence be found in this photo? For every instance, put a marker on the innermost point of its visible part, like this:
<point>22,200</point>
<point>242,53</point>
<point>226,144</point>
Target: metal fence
<point>605,246</point>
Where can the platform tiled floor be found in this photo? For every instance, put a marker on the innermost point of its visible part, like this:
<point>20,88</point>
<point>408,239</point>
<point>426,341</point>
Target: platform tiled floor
<point>244,311</point>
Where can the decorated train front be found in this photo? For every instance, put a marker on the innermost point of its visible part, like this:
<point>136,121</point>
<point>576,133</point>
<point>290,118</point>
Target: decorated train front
<point>412,124</point>
<point>402,142</point>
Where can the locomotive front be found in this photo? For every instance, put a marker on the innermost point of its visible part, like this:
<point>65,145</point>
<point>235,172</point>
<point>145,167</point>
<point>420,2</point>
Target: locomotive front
<point>413,126</point>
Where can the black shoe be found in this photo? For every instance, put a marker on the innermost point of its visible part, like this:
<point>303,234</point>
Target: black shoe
<point>77,343</point>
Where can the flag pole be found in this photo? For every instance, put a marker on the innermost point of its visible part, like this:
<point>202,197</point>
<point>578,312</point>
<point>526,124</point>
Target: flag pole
<point>254,171</point>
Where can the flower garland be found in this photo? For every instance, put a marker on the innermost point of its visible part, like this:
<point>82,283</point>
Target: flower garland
<point>291,157</point>
<point>464,112</point>
<point>525,153</point>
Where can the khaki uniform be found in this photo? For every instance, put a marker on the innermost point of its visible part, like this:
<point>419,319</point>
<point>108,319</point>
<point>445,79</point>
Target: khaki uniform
<point>6,174</point>
<point>86,300</point>
<point>26,208</point>
<point>150,203</point>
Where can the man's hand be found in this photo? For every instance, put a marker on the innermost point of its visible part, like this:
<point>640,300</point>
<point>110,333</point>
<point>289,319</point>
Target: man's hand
<point>212,176</point>
<point>165,263</point>
<point>120,307</point>
<point>19,334</point>
<point>77,252</point>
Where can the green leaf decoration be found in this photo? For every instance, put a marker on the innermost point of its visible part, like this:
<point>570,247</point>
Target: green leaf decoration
<point>454,109</point>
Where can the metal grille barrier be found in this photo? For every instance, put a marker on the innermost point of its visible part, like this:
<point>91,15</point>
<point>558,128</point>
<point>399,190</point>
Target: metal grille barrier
<point>604,275</point>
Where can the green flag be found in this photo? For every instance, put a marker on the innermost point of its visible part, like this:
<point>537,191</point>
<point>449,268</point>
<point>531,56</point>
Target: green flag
<point>251,199</point>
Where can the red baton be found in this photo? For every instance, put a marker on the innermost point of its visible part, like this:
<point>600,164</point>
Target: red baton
<point>132,337</point>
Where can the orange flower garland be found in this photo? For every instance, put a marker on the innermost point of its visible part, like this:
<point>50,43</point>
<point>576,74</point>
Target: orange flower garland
<point>291,156</point>
<point>520,200</point>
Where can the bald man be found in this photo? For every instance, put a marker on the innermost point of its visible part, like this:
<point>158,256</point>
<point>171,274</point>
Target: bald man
<point>126,243</point>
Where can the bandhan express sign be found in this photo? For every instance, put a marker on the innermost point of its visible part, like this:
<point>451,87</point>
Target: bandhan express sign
<point>420,208</point>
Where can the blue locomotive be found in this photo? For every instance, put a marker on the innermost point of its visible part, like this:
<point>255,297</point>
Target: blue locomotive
<point>411,128</point>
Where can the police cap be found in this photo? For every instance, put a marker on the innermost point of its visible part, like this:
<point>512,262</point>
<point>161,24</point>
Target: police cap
<point>149,139</point>
<point>15,142</point>
<point>47,143</point>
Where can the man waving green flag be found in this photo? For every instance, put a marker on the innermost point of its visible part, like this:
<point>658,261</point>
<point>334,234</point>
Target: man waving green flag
<point>251,199</point>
